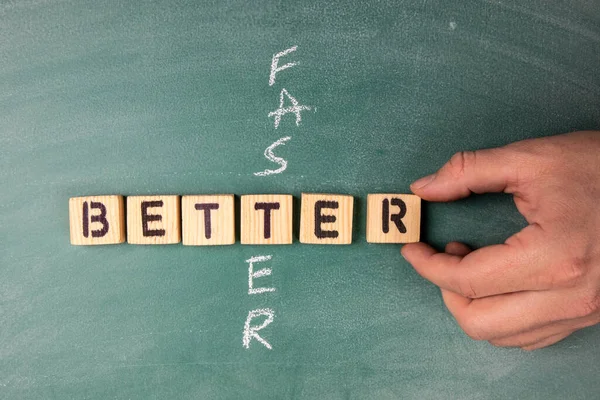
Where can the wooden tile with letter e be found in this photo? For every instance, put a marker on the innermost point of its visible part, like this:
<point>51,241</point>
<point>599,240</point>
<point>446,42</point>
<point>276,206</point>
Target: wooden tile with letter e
<point>393,218</point>
<point>208,220</point>
<point>153,219</point>
<point>97,220</point>
<point>326,218</point>
<point>266,219</point>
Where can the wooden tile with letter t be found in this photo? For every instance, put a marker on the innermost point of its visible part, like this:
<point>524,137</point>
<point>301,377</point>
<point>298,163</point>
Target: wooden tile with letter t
<point>153,220</point>
<point>97,220</point>
<point>208,220</point>
<point>393,218</point>
<point>326,219</point>
<point>266,219</point>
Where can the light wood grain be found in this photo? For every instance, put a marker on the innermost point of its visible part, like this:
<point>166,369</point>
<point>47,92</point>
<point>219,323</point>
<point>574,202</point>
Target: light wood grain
<point>113,208</point>
<point>411,220</point>
<point>341,228</point>
<point>253,221</point>
<point>170,221</point>
<point>221,220</point>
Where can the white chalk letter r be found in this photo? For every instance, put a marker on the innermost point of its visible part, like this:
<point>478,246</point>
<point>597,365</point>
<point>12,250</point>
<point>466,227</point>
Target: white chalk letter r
<point>250,331</point>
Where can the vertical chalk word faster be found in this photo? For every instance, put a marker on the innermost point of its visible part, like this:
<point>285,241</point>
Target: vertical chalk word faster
<point>266,219</point>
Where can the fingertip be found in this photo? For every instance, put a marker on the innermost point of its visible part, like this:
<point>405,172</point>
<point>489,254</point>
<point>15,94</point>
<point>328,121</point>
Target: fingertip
<point>414,252</point>
<point>425,191</point>
<point>427,187</point>
<point>436,267</point>
<point>441,190</point>
<point>422,182</point>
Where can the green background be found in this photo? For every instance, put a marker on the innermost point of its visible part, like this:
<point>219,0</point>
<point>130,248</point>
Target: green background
<point>141,97</point>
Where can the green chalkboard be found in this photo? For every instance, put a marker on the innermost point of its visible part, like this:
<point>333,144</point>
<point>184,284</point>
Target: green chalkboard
<point>173,97</point>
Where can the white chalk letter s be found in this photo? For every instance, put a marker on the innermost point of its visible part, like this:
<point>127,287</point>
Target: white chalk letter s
<point>250,331</point>
<point>272,157</point>
<point>275,69</point>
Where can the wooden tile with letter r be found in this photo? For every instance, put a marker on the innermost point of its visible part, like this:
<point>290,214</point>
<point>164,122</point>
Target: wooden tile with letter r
<point>266,219</point>
<point>326,218</point>
<point>393,218</point>
<point>97,220</point>
<point>208,220</point>
<point>153,219</point>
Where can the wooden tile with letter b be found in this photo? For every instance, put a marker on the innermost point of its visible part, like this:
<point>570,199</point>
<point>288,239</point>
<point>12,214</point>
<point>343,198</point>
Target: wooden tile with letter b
<point>97,220</point>
<point>153,219</point>
<point>208,220</point>
<point>393,218</point>
<point>326,218</point>
<point>266,219</point>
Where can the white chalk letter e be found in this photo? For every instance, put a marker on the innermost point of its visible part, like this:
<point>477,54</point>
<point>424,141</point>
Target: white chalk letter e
<point>250,331</point>
<point>258,274</point>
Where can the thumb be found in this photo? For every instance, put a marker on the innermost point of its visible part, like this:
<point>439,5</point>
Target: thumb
<point>480,171</point>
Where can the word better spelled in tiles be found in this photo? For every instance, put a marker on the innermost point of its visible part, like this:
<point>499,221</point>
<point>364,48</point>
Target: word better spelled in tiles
<point>206,220</point>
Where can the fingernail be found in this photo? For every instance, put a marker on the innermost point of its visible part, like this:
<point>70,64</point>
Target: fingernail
<point>421,183</point>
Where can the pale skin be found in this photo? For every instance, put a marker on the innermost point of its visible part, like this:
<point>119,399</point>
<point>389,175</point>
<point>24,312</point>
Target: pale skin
<point>542,283</point>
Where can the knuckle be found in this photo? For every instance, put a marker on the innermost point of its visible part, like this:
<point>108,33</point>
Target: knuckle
<point>589,305</point>
<point>518,242</point>
<point>460,162</point>
<point>539,149</point>
<point>572,271</point>
<point>466,289</point>
<point>536,158</point>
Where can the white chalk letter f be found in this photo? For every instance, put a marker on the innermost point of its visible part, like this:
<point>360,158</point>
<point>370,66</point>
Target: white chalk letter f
<point>275,69</point>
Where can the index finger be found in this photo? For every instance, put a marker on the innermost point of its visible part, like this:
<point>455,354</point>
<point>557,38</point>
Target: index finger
<point>491,270</point>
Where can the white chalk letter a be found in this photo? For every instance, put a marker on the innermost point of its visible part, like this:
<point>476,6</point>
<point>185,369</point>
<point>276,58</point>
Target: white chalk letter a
<point>281,111</point>
<point>250,331</point>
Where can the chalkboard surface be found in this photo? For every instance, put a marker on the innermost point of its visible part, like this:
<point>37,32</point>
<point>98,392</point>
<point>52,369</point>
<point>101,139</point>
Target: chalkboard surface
<point>174,97</point>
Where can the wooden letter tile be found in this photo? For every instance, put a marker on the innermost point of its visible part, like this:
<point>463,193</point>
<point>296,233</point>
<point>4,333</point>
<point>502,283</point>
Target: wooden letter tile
<point>326,219</point>
<point>153,220</point>
<point>208,220</point>
<point>97,220</point>
<point>393,218</point>
<point>266,219</point>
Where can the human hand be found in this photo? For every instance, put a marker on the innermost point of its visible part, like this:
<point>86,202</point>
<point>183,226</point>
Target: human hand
<point>543,283</point>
